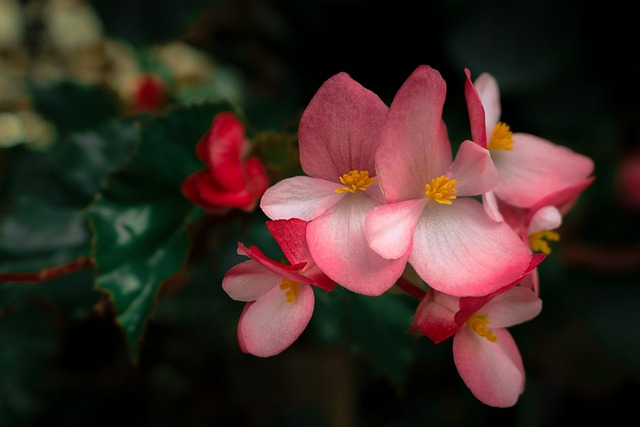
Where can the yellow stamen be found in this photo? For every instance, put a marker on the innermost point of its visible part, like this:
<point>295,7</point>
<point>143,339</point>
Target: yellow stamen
<point>501,138</point>
<point>478,324</point>
<point>290,288</point>
<point>441,190</point>
<point>537,242</point>
<point>354,181</point>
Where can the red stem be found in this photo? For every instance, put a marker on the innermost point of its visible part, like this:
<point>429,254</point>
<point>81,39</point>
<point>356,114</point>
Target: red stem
<point>48,273</point>
<point>410,288</point>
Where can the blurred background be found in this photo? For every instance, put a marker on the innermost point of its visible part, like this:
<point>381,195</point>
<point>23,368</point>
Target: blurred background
<point>76,79</point>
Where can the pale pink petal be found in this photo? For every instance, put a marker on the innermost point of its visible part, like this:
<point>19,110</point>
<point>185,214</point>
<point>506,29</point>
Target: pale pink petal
<point>271,324</point>
<point>476,112</point>
<point>338,130</point>
<point>338,245</point>
<point>414,146</point>
<point>389,227</point>
<point>491,207</point>
<point>459,250</point>
<point>493,372</point>
<point>435,316</point>
<point>471,305</point>
<point>546,218</point>
<point>473,169</point>
<point>299,197</point>
<point>517,305</point>
<point>248,281</point>
<point>291,235</point>
<point>536,168</point>
<point>489,94</point>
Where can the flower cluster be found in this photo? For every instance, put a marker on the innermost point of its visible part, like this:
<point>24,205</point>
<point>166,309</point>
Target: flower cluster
<point>382,192</point>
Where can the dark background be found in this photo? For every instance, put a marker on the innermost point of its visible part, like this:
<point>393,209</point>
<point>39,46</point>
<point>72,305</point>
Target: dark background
<point>566,73</point>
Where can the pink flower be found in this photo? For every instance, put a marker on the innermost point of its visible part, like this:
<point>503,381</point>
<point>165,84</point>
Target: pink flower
<point>484,351</point>
<point>279,297</point>
<point>230,180</point>
<point>449,240</point>
<point>338,136</point>
<point>530,167</point>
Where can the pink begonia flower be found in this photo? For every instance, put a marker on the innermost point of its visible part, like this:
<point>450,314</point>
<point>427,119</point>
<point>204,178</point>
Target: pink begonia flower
<point>230,180</point>
<point>338,136</point>
<point>450,241</point>
<point>279,298</point>
<point>530,167</point>
<point>484,352</point>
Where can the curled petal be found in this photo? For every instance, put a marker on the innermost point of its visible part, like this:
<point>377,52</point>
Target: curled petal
<point>546,218</point>
<point>270,325</point>
<point>300,197</point>
<point>473,169</point>
<point>493,371</point>
<point>389,227</point>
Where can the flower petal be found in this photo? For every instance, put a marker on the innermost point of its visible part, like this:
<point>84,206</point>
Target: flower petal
<point>338,245</point>
<point>473,169</point>
<point>491,207</point>
<point>435,316</point>
<point>476,112</point>
<point>545,218</point>
<point>339,129</point>
<point>494,372</point>
<point>291,272</point>
<point>414,145</point>
<point>248,281</point>
<point>489,93</point>
<point>299,197</point>
<point>517,305</point>
<point>291,235</point>
<point>536,168</point>
<point>389,227</point>
<point>459,250</point>
<point>222,148</point>
<point>213,195</point>
<point>271,324</point>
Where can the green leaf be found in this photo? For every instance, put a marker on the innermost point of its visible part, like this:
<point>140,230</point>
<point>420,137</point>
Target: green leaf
<point>139,219</point>
<point>46,194</point>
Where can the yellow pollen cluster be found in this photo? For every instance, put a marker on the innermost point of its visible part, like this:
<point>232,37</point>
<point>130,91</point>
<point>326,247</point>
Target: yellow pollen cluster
<point>478,324</point>
<point>354,181</point>
<point>290,288</point>
<point>501,138</point>
<point>539,244</point>
<point>441,190</point>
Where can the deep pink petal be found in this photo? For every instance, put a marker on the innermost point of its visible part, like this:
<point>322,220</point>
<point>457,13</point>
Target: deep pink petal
<point>249,280</point>
<point>476,112</point>
<point>473,169</point>
<point>222,148</point>
<point>291,272</point>
<point>414,145</point>
<point>271,324</point>
<point>213,195</point>
<point>256,177</point>
<point>517,305</point>
<point>291,235</point>
<point>299,197</point>
<point>537,168</point>
<point>435,316</point>
<point>494,372</point>
<point>338,245</point>
<point>339,129</point>
<point>389,227</point>
<point>459,250</point>
<point>189,189</point>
